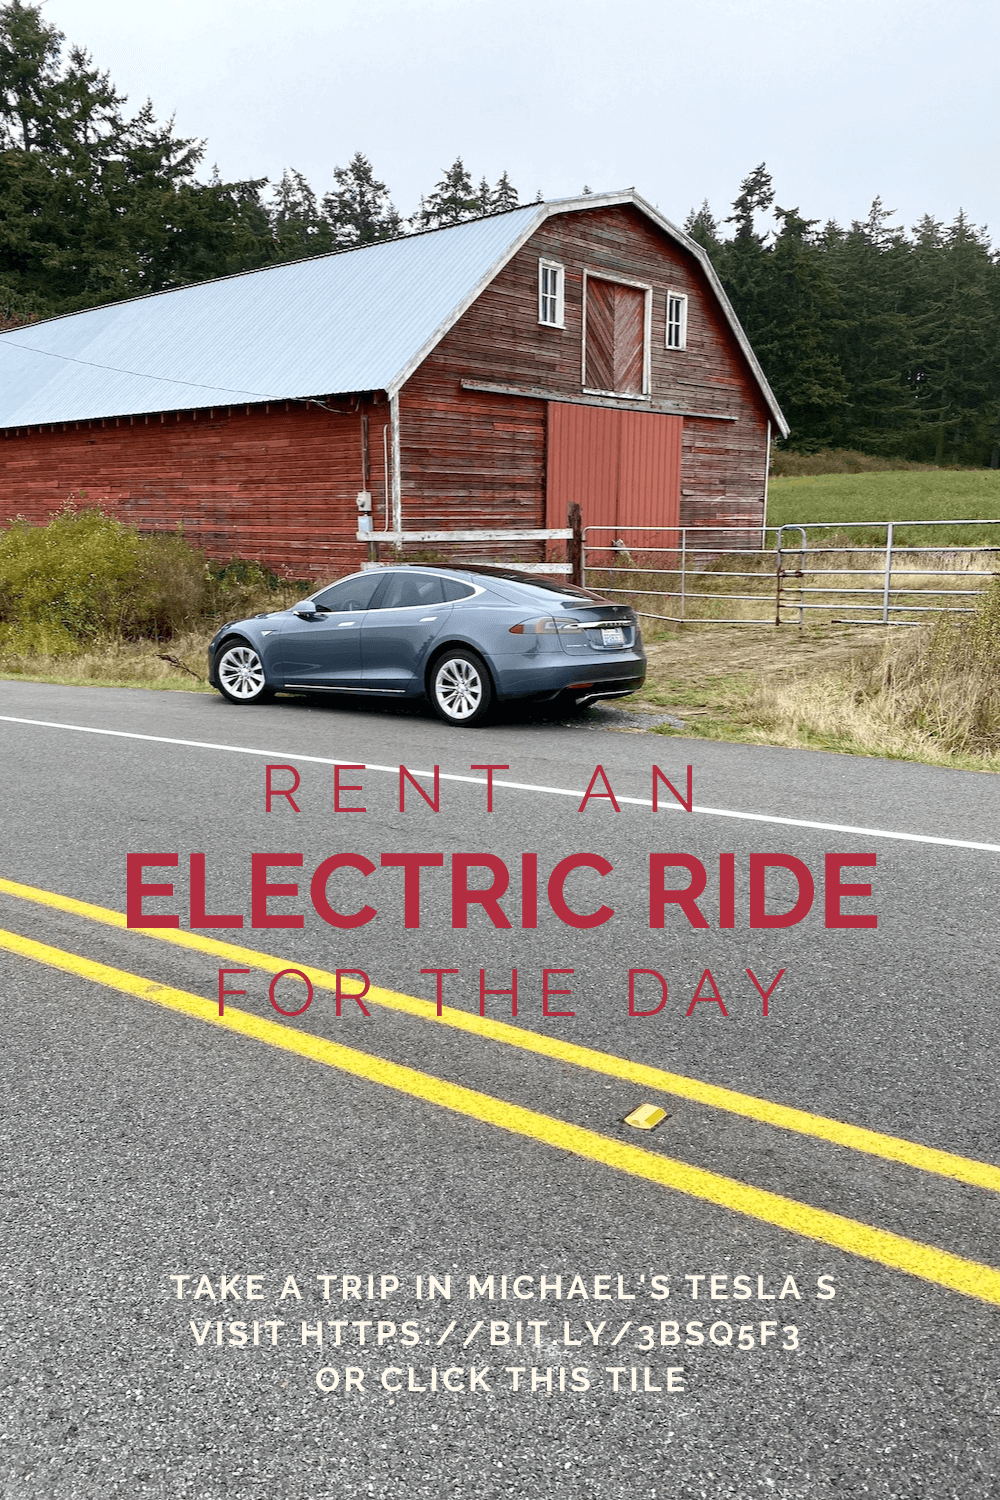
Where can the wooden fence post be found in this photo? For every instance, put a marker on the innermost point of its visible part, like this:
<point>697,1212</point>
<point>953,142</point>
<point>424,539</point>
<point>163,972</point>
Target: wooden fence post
<point>574,548</point>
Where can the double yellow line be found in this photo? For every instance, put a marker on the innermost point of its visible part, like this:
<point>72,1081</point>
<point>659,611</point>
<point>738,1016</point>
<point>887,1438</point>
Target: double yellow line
<point>925,1261</point>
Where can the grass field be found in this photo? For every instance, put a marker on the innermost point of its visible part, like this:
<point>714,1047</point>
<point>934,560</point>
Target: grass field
<point>923,495</point>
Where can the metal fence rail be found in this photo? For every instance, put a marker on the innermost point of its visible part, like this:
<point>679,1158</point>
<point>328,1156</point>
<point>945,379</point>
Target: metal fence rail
<point>869,581</point>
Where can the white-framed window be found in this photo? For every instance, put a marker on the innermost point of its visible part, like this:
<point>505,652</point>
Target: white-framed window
<point>551,277</point>
<point>677,319</point>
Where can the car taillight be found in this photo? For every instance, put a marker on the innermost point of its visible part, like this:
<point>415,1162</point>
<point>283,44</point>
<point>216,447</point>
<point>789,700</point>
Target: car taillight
<point>546,625</point>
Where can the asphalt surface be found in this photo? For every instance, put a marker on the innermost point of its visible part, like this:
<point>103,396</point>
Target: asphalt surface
<point>143,1144</point>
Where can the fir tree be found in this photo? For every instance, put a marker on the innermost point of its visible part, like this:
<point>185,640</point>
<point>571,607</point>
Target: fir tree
<point>504,195</point>
<point>452,201</point>
<point>359,211</point>
<point>703,228</point>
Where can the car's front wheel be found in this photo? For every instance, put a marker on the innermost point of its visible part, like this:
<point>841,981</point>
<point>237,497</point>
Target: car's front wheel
<point>241,675</point>
<point>460,688</point>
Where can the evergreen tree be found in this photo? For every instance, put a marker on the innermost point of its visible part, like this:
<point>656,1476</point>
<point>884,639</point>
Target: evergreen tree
<point>870,264</point>
<point>299,226</point>
<point>702,227</point>
<point>359,211</point>
<point>504,195</point>
<point>452,201</point>
<point>96,205</point>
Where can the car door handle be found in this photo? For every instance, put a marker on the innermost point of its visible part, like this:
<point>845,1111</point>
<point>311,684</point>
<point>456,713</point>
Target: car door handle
<point>426,619</point>
<point>346,624</point>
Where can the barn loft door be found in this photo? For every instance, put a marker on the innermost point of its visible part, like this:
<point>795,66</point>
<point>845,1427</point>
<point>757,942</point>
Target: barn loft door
<point>624,468</point>
<point>616,337</point>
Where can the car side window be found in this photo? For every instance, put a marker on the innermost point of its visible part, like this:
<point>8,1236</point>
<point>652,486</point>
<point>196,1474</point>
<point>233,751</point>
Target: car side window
<point>349,593</point>
<point>409,590</point>
<point>453,589</point>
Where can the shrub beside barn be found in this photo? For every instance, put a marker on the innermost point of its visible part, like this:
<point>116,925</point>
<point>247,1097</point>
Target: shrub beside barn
<point>480,376</point>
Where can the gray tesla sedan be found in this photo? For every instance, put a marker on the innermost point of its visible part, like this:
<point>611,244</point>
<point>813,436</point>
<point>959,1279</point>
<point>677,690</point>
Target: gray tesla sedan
<point>463,637</point>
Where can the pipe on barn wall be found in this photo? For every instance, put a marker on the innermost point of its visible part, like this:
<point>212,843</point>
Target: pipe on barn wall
<point>767,475</point>
<point>397,492</point>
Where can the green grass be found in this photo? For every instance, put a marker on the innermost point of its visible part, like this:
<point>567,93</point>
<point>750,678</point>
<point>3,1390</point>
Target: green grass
<point>935,495</point>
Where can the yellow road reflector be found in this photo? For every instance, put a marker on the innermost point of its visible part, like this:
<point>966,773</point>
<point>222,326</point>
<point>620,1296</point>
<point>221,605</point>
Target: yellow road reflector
<point>942,1268</point>
<point>892,1148</point>
<point>645,1117</point>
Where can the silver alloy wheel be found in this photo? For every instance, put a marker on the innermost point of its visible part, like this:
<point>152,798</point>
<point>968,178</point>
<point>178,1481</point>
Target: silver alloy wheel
<point>458,688</point>
<point>241,674</point>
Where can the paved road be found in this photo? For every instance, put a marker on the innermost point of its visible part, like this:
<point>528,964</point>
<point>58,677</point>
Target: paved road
<point>150,1140</point>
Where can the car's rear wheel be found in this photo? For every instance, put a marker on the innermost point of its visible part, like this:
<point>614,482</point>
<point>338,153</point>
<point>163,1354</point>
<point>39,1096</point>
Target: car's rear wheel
<point>241,674</point>
<point>460,688</point>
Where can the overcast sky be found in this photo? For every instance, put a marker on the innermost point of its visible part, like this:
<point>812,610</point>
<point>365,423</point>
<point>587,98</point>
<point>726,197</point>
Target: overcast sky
<point>843,99</point>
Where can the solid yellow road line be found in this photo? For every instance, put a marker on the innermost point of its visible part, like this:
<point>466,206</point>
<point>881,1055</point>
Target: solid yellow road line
<point>924,1261</point>
<point>854,1137</point>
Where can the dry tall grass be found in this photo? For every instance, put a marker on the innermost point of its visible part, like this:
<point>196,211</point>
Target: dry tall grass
<point>930,694</point>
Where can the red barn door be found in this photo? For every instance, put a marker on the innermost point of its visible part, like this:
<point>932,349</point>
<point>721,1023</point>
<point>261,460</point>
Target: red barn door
<point>623,467</point>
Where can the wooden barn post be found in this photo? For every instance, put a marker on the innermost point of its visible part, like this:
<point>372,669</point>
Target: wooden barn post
<point>574,552</point>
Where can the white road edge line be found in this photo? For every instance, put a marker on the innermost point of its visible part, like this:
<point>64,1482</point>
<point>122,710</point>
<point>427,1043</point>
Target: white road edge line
<point>516,786</point>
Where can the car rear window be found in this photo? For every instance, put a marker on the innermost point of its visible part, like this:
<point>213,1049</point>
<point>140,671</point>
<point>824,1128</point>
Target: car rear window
<point>455,589</point>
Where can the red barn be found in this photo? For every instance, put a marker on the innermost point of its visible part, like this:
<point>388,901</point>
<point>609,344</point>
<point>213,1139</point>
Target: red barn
<point>476,377</point>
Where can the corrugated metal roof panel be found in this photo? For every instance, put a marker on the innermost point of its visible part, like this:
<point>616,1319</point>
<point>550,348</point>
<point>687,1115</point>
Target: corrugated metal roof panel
<point>358,321</point>
<point>347,322</point>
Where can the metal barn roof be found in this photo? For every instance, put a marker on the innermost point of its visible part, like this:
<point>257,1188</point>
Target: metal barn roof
<point>359,320</point>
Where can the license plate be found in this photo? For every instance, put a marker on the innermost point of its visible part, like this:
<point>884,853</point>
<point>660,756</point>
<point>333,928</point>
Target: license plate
<point>614,637</point>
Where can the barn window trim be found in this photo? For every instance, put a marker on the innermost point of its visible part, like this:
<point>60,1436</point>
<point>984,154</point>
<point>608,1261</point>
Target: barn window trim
<point>551,293</point>
<point>643,286</point>
<point>677,324</point>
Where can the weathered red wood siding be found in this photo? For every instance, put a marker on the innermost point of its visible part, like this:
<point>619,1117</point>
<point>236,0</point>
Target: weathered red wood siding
<point>279,483</point>
<point>460,464</point>
<point>276,484</point>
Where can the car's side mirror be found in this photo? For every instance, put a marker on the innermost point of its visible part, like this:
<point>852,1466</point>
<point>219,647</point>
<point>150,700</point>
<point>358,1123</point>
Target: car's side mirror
<point>306,610</point>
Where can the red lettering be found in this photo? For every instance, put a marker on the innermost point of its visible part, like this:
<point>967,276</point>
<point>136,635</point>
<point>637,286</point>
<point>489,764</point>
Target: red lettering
<point>337,789</point>
<point>198,917</point>
<point>529,890</point>
<point>759,865</point>
<point>432,802</point>
<point>309,992</point>
<point>489,781</point>
<point>727,890</point>
<point>655,973</point>
<point>412,864</point>
<point>835,890</point>
<point>271,791</point>
<point>713,999</point>
<point>318,896</point>
<point>440,975</point>
<point>261,891</point>
<point>590,793</point>
<point>660,897</point>
<point>342,994</point>
<point>686,802</point>
<point>483,992</point>
<point>765,995</point>
<point>557,897</point>
<point>546,992</point>
<point>135,890</point>
<point>224,994</point>
<point>488,898</point>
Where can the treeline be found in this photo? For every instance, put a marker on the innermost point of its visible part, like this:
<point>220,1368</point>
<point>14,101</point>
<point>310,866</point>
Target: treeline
<point>97,204</point>
<point>873,337</point>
